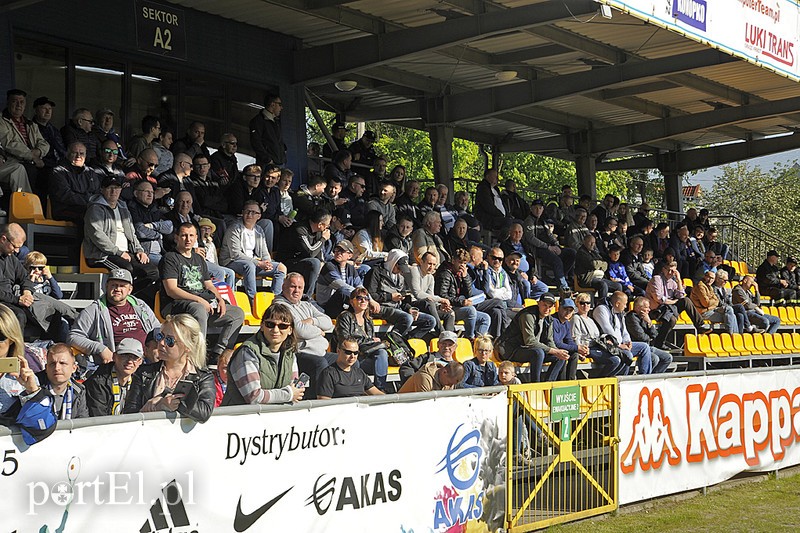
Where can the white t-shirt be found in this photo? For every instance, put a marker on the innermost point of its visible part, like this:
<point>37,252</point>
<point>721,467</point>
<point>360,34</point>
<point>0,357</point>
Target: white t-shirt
<point>249,241</point>
<point>120,240</point>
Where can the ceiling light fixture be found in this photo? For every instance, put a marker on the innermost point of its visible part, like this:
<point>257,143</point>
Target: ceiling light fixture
<point>506,75</point>
<point>346,85</point>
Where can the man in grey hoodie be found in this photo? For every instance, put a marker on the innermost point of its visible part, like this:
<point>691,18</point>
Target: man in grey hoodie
<point>117,315</point>
<point>110,239</point>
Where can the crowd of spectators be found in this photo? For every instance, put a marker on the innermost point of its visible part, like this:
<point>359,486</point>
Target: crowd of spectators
<point>351,245</point>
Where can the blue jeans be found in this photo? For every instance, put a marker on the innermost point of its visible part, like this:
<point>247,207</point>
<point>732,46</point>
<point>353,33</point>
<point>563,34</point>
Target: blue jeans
<point>724,315</point>
<point>474,321</point>
<point>645,355</point>
<point>766,321</point>
<point>269,231</point>
<point>249,270</point>
<point>660,360</point>
<point>403,322</point>
<point>562,264</point>
<point>610,365</point>
<point>220,273</point>
<point>537,289</point>
<point>377,364</point>
<point>537,357</point>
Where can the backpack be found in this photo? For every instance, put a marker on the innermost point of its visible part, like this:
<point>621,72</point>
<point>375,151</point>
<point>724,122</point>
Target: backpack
<point>399,349</point>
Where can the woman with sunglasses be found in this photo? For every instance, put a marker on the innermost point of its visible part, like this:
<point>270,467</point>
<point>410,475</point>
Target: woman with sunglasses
<point>585,331</point>
<point>264,368</point>
<point>357,324</point>
<point>182,358</point>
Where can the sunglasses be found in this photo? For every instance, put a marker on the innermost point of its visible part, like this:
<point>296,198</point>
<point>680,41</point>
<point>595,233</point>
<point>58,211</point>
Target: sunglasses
<point>269,324</point>
<point>584,303</point>
<point>111,151</point>
<point>169,340</point>
<point>36,267</point>
<point>496,258</point>
<point>361,298</point>
<point>350,352</point>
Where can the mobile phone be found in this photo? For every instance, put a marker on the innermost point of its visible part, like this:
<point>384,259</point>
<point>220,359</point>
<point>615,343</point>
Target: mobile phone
<point>184,387</point>
<point>302,381</point>
<point>10,364</point>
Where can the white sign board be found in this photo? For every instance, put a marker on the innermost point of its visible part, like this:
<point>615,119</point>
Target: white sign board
<point>425,466</point>
<point>678,434</point>
<point>764,32</point>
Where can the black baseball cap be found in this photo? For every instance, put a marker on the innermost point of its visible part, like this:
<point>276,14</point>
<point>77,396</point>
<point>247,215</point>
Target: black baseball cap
<point>43,100</point>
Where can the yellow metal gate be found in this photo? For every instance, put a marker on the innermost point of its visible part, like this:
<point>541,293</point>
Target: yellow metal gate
<point>562,452</point>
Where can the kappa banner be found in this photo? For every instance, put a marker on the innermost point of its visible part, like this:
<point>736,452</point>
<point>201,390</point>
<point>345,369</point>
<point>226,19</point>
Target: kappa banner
<point>763,32</point>
<point>432,465</point>
<point>679,434</point>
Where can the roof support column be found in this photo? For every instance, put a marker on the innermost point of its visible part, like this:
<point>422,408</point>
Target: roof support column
<point>673,192</point>
<point>587,176</point>
<point>442,149</point>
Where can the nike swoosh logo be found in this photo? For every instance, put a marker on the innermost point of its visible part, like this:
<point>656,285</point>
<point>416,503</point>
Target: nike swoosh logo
<point>242,521</point>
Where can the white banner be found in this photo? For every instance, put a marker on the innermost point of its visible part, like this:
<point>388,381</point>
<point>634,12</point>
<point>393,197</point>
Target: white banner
<point>678,434</point>
<point>764,32</point>
<point>430,465</point>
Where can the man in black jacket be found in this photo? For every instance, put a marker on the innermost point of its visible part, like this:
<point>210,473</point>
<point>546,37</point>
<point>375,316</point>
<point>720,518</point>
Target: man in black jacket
<point>488,207</point>
<point>640,328</point>
<point>108,387</point>
<point>266,136</point>
<point>72,184</point>
<point>632,259</point>
<point>540,242</point>
<point>305,247</point>
<point>69,397</point>
<point>770,281</point>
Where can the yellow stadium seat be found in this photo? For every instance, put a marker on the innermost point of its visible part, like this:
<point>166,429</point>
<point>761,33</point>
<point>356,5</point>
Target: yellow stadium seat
<point>780,346</point>
<point>691,347</point>
<point>86,269</point>
<point>727,344</point>
<point>26,208</point>
<point>704,343</point>
<point>688,282</point>
<point>749,344</point>
<point>684,318</point>
<point>769,343</point>
<point>243,302</point>
<point>788,342</point>
<point>770,310</point>
<point>157,306</point>
<point>791,315</point>
<point>783,314</point>
<point>262,301</point>
<point>743,270</point>
<point>419,346</point>
<point>795,341</point>
<point>716,345</point>
<point>738,344</point>
<point>758,340</point>
<point>529,302</point>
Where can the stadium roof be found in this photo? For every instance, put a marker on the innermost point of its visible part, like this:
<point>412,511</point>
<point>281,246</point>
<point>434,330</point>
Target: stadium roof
<point>551,77</point>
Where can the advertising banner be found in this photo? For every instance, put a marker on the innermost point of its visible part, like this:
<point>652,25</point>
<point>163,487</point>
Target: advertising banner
<point>432,465</point>
<point>764,32</point>
<point>684,433</point>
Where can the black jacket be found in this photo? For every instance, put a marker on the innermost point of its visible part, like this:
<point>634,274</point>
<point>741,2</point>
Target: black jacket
<point>266,138</point>
<point>396,242</point>
<point>100,391</point>
<point>70,190</point>
<point>447,285</point>
<point>639,329</point>
<point>381,285</point>
<point>12,273</point>
<point>144,383</point>
<point>635,269</point>
<point>485,209</point>
<point>302,243</point>
<point>768,276</point>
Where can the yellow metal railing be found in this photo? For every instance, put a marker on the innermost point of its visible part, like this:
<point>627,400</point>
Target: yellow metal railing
<point>562,452</point>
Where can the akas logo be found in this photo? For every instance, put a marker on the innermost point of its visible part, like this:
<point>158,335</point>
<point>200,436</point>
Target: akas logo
<point>460,502</point>
<point>366,491</point>
<point>168,513</point>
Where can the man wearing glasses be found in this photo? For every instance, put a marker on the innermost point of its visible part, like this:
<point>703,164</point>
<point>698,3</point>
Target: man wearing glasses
<point>72,185</point>
<point>79,129</point>
<point>343,379</point>
<point>223,161</point>
<point>266,136</point>
<point>146,163</point>
<point>356,202</point>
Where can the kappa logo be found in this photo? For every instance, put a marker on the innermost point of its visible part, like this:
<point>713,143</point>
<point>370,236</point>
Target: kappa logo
<point>652,440</point>
<point>169,515</point>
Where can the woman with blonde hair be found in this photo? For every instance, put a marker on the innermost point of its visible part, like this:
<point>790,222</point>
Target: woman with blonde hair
<point>14,385</point>
<point>480,371</point>
<point>180,380</point>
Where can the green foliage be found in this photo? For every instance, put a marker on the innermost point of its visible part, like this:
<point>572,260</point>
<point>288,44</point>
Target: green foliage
<point>541,175</point>
<point>769,200</point>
